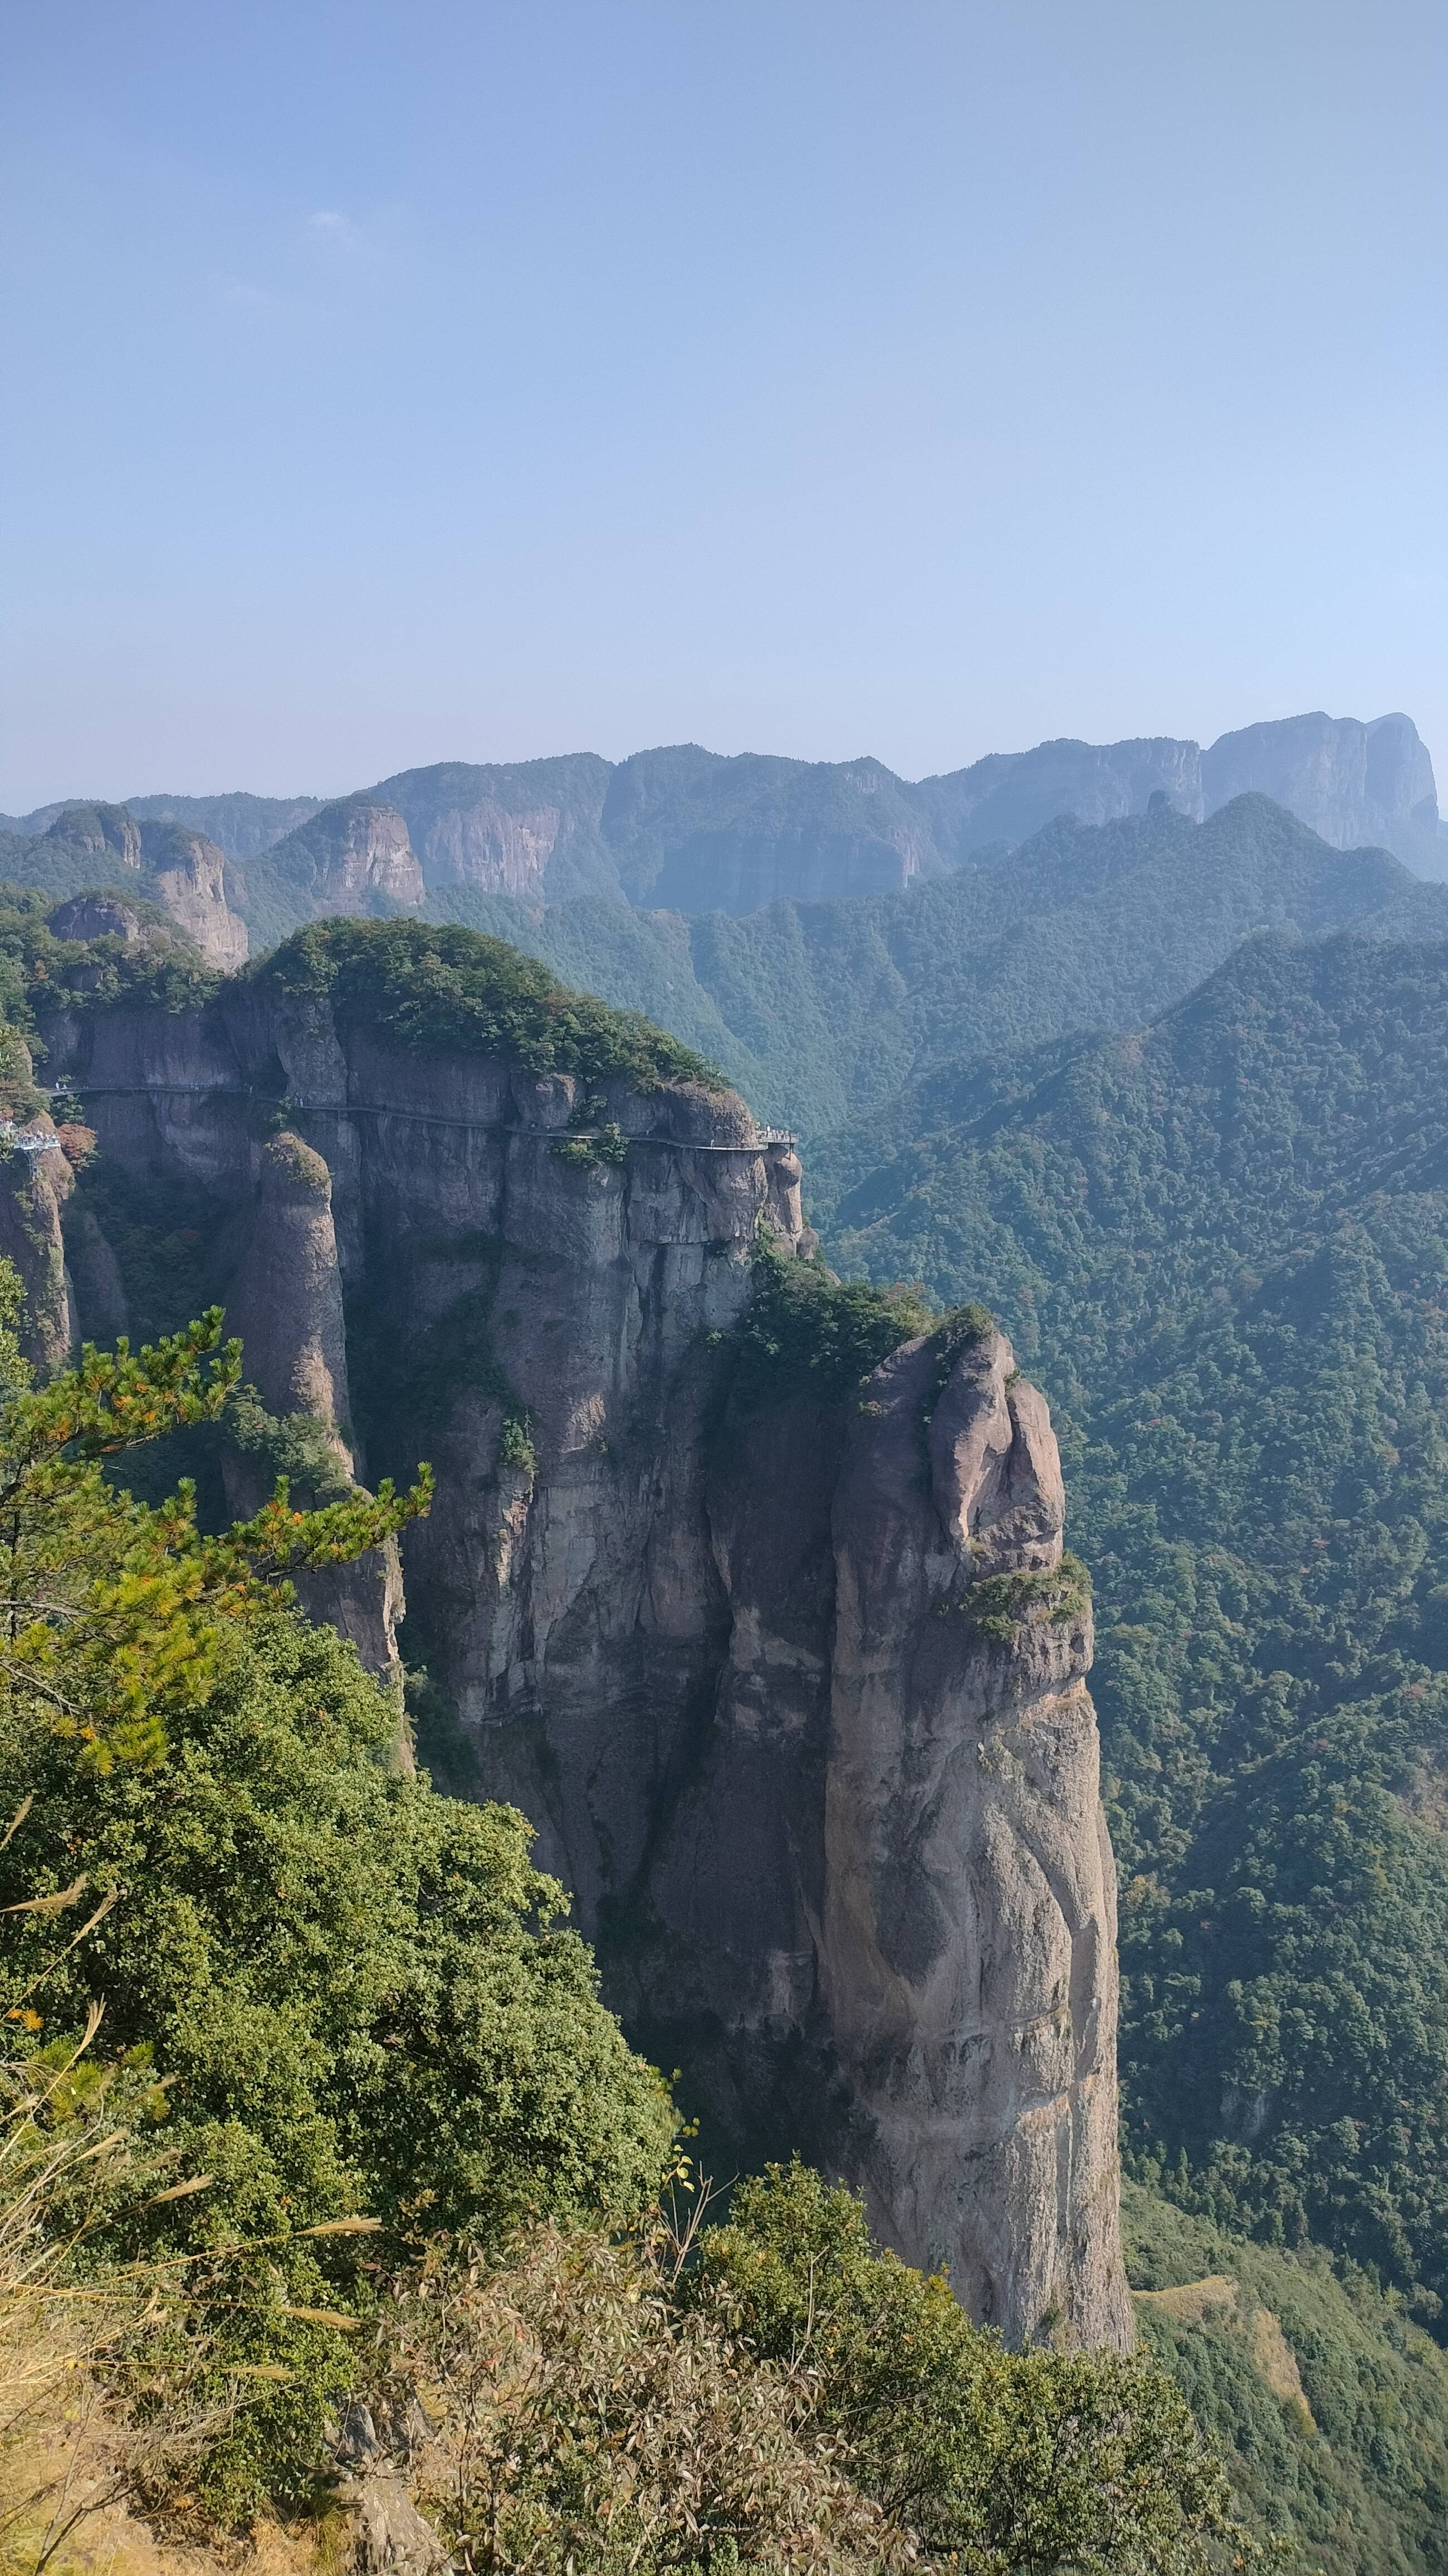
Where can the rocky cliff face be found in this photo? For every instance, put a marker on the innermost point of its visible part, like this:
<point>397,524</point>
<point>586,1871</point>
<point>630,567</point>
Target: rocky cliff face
<point>787,1670</point>
<point>98,829</point>
<point>1009,795</point>
<point>1353,783</point>
<point>524,828</point>
<point>188,875</point>
<point>350,852</point>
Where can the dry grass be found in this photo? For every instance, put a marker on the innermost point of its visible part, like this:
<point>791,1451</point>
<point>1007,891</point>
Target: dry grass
<point>1192,2303</point>
<point>1193,2300</point>
<point>563,2414</point>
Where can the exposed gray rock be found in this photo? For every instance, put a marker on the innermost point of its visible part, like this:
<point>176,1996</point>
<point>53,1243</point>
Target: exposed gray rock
<point>387,2535</point>
<point>35,1182</point>
<point>968,1940</point>
<point>240,825</point>
<point>1353,783</point>
<point>285,1303</point>
<point>688,829</point>
<point>348,854</point>
<point>98,828</point>
<point>98,1290</point>
<point>1009,795</point>
<point>523,828</point>
<point>100,916</point>
<point>188,873</point>
<point>286,1297</point>
<point>693,832</point>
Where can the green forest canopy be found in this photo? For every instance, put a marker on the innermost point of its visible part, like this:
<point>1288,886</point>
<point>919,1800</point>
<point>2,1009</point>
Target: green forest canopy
<point>1222,1248</point>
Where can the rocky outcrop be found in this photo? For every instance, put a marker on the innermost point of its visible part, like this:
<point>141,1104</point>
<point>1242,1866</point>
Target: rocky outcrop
<point>969,1920</point>
<point>348,854</point>
<point>241,825</point>
<point>789,1677</point>
<point>286,1294</point>
<point>692,832</point>
<point>102,829</point>
<point>488,847</point>
<point>525,828</point>
<point>183,871</point>
<point>1353,783</point>
<point>188,875</point>
<point>284,1302</point>
<point>1009,795</point>
<point>102,915</point>
<point>687,829</point>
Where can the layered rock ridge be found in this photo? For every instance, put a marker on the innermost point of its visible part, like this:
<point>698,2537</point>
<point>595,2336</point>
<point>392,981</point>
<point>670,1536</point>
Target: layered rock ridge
<point>787,1670</point>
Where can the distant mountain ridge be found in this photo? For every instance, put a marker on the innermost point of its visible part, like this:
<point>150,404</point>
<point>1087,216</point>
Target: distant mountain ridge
<point>687,830</point>
<point>821,1012</point>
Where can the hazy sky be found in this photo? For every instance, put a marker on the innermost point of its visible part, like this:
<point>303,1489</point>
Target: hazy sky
<point>406,379</point>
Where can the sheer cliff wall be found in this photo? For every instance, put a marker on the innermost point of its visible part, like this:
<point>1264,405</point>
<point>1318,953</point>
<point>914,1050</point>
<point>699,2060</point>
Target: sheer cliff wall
<point>791,1681</point>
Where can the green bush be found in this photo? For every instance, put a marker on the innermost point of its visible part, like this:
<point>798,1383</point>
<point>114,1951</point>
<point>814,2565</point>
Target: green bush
<point>357,1997</point>
<point>1004,2461</point>
<point>803,1330</point>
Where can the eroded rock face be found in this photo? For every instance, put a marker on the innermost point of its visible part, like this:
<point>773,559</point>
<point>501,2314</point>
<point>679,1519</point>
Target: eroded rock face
<point>968,1940</point>
<point>189,876</point>
<point>350,853</point>
<point>791,1682</point>
<point>101,915</point>
<point>35,1182</point>
<point>1353,783</point>
<point>98,828</point>
<point>486,845</point>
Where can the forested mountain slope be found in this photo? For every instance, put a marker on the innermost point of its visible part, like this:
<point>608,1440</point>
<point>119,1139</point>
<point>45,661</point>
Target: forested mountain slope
<point>1222,1246</point>
<point>820,1012</point>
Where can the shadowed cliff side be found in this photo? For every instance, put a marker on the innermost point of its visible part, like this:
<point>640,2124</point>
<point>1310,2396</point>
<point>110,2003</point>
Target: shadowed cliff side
<point>768,1631</point>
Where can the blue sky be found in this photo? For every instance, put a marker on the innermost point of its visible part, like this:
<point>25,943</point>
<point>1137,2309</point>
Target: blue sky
<point>392,383</point>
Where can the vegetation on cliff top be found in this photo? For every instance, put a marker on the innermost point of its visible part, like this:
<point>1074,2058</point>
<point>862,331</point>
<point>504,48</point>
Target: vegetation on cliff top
<point>433,986</point>
<point>443,987</point>
<point>804,1330</point>
<point>162,971</point>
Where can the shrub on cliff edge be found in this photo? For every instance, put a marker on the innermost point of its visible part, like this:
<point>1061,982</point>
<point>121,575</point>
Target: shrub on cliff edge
<point>356,1996</point>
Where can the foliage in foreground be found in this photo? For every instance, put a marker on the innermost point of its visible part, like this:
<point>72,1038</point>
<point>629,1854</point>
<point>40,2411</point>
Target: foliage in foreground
<point>357,1997</point>
<point>783,2397</point>
<point>346,2034</point>
<point>1009,2460</point>
<point>117,1613</point>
